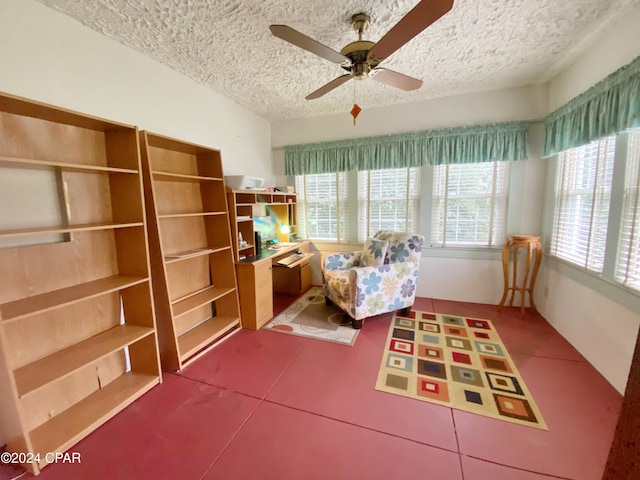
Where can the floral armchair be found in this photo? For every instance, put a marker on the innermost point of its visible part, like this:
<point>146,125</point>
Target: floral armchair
<point>379,279</point>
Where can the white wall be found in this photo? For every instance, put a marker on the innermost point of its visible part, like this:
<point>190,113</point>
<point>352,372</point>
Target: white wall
<point>602,330</point>
<point>527,103</point>
<point>49,57</point>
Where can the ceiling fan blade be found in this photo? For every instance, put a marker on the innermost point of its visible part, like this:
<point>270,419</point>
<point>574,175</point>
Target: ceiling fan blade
<point>420,17</point>
<point>298,39</point>
<point>395,79</point>
<point>336,82</point>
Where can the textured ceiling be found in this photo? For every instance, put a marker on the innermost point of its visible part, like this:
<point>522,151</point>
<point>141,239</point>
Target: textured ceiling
<point>479,45</point>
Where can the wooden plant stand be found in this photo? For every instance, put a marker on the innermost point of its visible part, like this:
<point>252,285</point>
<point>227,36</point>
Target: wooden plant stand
<point>533,247</point>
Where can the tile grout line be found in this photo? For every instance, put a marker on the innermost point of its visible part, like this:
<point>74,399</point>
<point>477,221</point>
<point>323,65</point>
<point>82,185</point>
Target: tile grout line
<point>552,358</point>
<point>204,382</point>
<point>235,434</point>
<point>551,477</point>
<point>261,400</point>
<point>455,432</point>
<point>393,435</point>
<point>201,382</point>
<point>286,368</point>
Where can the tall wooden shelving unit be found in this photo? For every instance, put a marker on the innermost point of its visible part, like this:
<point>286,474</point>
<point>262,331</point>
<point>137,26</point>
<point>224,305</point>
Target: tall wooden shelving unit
<point>77,325</point>
<point>244,205</point>
<point>190,241</point>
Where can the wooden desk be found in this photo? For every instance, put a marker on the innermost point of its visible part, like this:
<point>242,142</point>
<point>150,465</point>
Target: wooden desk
<point>261,275</point>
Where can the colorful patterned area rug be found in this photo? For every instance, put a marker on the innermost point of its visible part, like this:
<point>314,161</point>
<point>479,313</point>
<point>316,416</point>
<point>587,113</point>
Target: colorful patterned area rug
<point>458,362</point>
<point>309,316</point>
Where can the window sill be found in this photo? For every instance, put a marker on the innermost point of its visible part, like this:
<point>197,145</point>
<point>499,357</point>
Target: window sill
<point>471,253</point>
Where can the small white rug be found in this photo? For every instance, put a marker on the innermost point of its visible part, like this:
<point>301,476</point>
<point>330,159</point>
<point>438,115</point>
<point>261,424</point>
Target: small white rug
<point>309,316</point>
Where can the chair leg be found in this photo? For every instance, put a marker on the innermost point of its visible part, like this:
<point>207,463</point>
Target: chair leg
<point>403,312</point>
<point>356,324</point>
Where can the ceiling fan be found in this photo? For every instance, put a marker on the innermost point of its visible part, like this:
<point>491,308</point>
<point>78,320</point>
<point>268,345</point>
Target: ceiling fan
<point>362,57</point>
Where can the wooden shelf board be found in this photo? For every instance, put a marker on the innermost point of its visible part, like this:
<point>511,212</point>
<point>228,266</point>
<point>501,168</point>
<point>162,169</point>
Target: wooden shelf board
<point>87,227</point>
<point>181,177</point>
<point>63,363</point>
<point>194,214</point>
<point>67,428</point>
<point>245,247</point>
<point>189,303</point>
<point>69,167</point>
<point>168,143</point>
<point>174,257</point>
<point>66,296</point>
<point>199,337</point>
<point>177,257</point>
<point>43,111</point>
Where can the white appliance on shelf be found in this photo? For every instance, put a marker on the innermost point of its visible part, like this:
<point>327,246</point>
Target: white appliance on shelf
<point>243,182</point>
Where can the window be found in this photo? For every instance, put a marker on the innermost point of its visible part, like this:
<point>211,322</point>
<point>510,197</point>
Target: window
<point>322,206</point>
<point>627,270</point>
<point>388,200</point>
<point>469,204</point>
<point>582,196</point>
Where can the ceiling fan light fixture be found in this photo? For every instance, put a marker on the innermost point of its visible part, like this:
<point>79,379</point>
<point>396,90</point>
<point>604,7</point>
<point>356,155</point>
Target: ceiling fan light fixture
<point>361,70</point>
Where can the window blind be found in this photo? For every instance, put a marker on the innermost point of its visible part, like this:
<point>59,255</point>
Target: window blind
<point>388,200</point>
<point>627,270</point>
<point>322,206</point>
<point>469,204</point>
<point>582,197</point>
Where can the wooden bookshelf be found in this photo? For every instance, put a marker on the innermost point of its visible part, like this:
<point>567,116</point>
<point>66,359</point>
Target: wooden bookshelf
<point>77,324</point>
<point>192,265</point>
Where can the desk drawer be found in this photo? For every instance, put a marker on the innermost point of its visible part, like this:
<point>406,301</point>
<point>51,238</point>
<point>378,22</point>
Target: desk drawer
<point>305,277</point>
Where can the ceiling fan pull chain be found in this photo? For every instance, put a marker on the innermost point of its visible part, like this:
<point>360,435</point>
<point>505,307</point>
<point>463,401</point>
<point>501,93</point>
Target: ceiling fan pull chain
<point>355,111</point>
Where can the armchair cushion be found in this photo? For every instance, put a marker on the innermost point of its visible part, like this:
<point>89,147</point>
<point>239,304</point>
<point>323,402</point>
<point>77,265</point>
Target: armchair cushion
<point>403,247</point>
<point>373,252</point>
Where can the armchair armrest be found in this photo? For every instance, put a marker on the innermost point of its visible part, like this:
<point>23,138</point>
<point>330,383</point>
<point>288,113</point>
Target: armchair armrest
<point>383,289</point>
<point>341,261</point>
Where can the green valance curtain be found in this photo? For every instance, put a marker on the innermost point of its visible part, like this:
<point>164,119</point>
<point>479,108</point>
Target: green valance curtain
<point>610,106</point>
<point>507,141</point>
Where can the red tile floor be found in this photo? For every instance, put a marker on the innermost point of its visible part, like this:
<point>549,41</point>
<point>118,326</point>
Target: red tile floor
<point>266,405</point>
